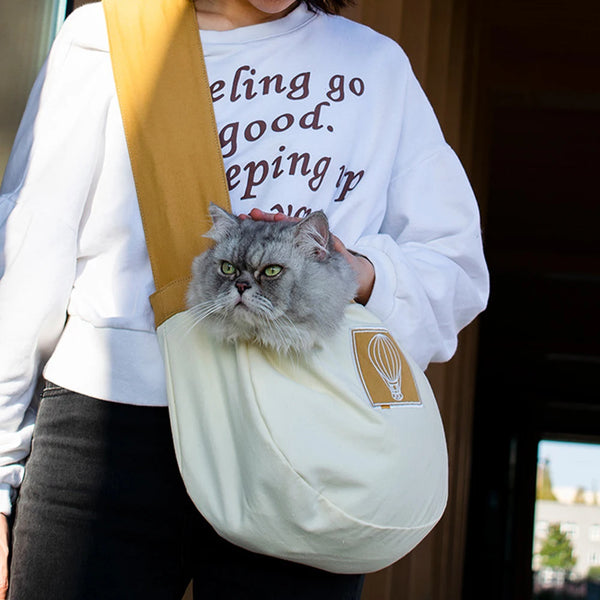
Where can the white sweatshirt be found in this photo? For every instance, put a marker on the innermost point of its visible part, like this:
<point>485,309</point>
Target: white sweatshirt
<point>314,112</point>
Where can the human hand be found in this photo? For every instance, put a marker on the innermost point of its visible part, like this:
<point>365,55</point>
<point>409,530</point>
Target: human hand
<point>4,539</point>
<point>365,273</point>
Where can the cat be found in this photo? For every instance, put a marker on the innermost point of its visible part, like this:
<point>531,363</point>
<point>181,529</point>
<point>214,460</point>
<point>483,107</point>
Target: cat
<point>277,284</point>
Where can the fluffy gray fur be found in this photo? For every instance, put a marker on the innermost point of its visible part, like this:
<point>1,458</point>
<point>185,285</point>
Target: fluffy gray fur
<point>289,311</point>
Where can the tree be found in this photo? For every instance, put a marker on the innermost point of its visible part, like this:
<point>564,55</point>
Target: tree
<point>557,551</point>
<point>544,482</point>
<point>594,573</point>
<point>580,496</point>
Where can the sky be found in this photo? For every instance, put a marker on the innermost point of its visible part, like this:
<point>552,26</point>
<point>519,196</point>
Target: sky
<point>572,465</point>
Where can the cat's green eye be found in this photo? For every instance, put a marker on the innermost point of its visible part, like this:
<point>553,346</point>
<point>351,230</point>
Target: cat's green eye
<point>227,268</point>
<point>272,270</point>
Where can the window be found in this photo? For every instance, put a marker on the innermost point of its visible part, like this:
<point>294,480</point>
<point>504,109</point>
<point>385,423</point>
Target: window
<point>566,493</point>
<point>571,529</point>
<point>541,529</point>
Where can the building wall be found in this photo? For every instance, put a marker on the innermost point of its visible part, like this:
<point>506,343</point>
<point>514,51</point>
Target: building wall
<point>580,521</point>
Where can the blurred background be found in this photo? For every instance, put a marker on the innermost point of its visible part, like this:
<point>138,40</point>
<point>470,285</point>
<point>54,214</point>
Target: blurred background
<point>516,86</point>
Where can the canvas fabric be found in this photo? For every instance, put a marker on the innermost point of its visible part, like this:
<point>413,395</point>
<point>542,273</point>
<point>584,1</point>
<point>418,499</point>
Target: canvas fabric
<point>316,459</point>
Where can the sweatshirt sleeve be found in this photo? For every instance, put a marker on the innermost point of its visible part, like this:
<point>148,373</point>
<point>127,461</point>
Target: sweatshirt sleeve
<point>430,274</point>
<point>42,196</point>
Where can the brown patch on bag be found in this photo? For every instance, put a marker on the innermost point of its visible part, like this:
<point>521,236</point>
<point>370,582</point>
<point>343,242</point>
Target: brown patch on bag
<point>383,369</point>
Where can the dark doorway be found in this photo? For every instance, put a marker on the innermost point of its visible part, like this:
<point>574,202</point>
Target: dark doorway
<point>539,356</point>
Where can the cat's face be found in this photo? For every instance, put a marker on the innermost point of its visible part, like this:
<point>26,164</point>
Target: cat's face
<point>268,282</point>
<point>252,272</point>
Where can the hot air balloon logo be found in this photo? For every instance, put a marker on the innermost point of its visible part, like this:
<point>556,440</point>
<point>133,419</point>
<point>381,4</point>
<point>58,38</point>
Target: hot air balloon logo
<point>386,360</point>
<point>383,370</point>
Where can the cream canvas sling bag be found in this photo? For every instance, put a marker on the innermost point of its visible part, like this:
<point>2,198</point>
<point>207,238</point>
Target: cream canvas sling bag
<point>337,460</point>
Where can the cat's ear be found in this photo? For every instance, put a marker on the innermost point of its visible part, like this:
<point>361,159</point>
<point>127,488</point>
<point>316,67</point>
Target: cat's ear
<point>312,235</point>
<point>223,223</point>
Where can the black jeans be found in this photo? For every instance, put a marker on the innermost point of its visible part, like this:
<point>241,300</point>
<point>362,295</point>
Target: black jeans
<point>103,514</point>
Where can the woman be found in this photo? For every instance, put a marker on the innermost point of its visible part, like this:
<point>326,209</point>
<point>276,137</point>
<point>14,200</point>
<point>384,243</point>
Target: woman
<point>314,112</point>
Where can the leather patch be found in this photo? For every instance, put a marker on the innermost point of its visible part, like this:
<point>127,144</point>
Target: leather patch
<point>383,369</point>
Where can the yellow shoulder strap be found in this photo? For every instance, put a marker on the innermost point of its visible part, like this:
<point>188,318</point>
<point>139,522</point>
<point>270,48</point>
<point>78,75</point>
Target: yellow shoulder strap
<point>171,134</point>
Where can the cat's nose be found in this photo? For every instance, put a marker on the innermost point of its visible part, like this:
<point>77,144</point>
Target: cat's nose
<point>242,286</point>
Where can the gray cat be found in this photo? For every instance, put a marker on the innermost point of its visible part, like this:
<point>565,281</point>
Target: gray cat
<point>281,285</point>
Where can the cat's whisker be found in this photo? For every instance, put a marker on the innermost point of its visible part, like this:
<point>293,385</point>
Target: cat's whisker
<point>201,308</point>
<point>196,322</point>
<point>279,334</point>
<point>218,302</point>
<point>291,325</point>
<point>264,303</point>
<point>276,333</point>
<point>198,313</point>
<point>282,334</point>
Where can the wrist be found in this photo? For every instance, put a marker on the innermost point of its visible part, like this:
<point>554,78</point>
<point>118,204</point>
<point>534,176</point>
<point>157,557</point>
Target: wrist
<point>365,276</point>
